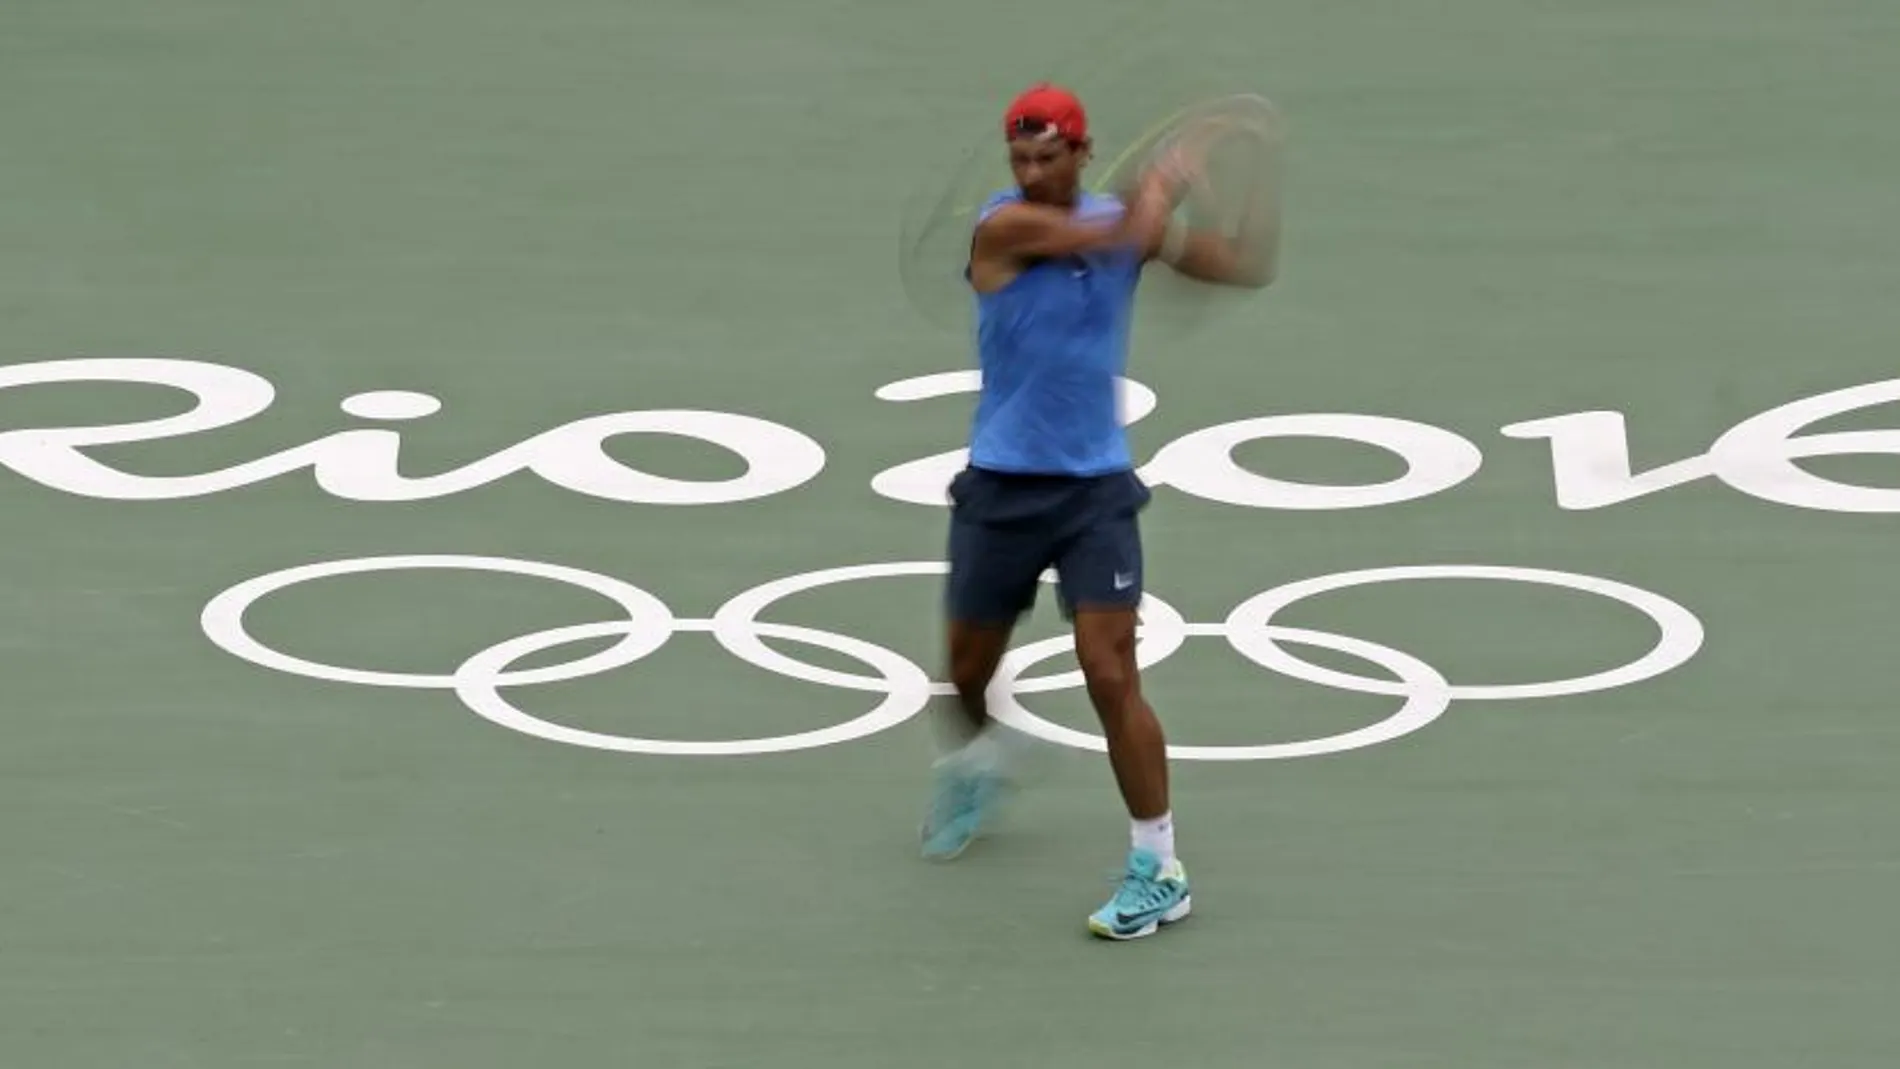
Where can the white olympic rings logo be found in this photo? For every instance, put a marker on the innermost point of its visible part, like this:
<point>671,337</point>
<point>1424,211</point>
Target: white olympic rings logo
<point>906,688</point>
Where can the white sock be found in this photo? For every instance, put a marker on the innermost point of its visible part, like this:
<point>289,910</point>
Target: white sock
<point>1155,836</point>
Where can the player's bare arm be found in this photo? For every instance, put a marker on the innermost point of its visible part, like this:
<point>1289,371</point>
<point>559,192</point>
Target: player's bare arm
<point>1025,231</point>
<point>1246,258</point>
<point>1018,233</point>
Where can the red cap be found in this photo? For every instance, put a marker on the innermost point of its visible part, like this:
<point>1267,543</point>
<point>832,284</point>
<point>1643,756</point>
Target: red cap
<point>1048,111</point>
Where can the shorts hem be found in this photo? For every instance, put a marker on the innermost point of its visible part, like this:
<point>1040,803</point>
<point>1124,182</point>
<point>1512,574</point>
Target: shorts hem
<point>1047,473</point>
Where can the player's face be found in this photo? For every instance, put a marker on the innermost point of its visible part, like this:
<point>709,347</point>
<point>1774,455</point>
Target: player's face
<point>1048,172</point>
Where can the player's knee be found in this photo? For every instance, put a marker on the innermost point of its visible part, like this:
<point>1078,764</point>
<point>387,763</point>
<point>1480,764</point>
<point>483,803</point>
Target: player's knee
<point>970,678</point>
<point>972,665</point>
<point>1110,677</point>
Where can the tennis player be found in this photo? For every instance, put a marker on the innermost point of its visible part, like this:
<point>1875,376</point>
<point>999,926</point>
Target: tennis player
<point>1050,483</point>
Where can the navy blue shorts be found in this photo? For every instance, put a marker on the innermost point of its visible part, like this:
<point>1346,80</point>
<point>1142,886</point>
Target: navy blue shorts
<point>1006,529</point>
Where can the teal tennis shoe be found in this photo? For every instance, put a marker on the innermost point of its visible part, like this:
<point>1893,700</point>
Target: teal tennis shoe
<point>962,802</point>
<point>1152,893</point>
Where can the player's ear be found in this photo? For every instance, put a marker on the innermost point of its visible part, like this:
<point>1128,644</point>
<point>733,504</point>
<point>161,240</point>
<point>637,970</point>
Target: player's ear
<point>1085,150</point>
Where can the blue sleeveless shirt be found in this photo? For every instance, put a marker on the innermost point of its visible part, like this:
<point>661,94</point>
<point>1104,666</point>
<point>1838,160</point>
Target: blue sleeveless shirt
<point>1050,346</point>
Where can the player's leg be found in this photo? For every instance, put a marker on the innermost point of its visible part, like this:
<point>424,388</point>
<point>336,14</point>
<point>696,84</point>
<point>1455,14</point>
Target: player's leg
<point>1137,746</point>
<point>977,641</point>
<point>992,582</point>
<point>1101,577</point>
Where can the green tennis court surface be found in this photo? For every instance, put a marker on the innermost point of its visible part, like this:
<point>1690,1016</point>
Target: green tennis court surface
<point>640,260</point>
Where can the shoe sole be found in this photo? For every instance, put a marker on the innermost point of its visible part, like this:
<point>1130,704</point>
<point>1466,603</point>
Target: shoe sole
<point>969,840</point>
<point>949,855</point>
<point>1179,911</point>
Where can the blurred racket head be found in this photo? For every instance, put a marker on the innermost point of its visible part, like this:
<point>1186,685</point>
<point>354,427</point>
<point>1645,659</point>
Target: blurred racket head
<point>1237,137</point>
<point>938,222</point>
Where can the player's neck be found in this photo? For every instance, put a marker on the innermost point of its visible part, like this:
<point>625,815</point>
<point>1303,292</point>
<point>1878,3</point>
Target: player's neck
<point>1061,200</point>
